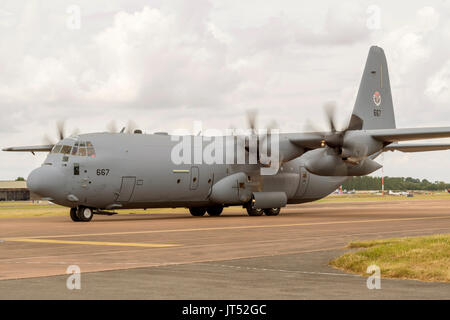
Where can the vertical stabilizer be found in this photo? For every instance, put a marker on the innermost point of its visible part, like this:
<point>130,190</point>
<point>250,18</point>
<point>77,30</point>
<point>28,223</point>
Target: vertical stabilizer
<point>373,107</point>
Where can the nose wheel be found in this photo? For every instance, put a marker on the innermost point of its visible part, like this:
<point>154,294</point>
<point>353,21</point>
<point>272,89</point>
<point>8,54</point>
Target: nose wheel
<point>81,214</point>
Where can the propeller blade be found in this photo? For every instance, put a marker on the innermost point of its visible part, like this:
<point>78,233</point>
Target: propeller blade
<point>131,126</point>
<point>251,118</point>
<point>60,129</point>
<point>112,127</point>
<point>75,132</point>
<point>48,140</point>
<point>330,108</point>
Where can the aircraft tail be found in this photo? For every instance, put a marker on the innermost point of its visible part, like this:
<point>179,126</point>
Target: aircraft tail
<point>373,107</point>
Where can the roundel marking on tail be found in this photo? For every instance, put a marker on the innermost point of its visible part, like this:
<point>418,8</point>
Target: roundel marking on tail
<point>377,98</point>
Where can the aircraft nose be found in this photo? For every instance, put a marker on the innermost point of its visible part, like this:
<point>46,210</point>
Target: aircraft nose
<point>44,181</point>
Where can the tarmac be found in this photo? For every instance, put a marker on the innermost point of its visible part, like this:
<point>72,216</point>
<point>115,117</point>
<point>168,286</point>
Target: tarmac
<point>234,256</point>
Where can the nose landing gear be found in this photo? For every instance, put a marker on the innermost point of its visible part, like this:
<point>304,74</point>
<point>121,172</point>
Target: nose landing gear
<point>81,214</point>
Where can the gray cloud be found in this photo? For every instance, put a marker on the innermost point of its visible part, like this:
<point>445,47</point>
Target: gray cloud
<point>168,63</point>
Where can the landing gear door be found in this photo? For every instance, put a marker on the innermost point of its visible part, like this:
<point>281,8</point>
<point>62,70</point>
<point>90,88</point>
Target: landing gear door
<point>126,189</point>
<point>304,179</point>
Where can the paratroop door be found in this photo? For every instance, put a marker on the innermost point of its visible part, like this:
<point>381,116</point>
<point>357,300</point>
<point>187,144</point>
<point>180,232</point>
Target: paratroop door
<point>126,189</point>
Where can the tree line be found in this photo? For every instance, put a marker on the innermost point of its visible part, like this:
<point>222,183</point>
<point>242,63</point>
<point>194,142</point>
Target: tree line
<point>393,183</point>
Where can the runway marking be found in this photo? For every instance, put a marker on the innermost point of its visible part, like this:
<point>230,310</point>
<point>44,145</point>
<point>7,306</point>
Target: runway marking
<point>282,270</point>
<point>96,243</point>
<point>235,227</point>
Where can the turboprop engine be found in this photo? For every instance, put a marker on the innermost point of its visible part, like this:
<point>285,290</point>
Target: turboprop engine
<point>346,152</point>
<point>326,162</point>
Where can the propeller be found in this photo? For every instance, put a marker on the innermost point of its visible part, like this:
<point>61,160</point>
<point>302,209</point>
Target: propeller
<point>260,140</point>
<point>332,137</point>
<point>60,133</point>
<point>254,149</point>
<point>344,152</point>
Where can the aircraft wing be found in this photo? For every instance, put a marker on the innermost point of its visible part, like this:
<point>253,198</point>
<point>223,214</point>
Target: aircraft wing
<point>42,148</point>
<point>393,135</point>
<point>417,147</point>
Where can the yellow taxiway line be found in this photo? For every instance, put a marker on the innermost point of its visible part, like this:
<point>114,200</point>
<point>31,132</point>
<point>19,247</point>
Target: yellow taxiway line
<point>96,243</point>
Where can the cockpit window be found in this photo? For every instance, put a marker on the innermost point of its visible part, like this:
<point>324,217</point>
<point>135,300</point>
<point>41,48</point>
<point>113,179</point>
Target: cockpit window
<point>90,152</point>
<point>80,148</point>
<point>56,148</point>
<point>82,152</point>
<point>66,149</point>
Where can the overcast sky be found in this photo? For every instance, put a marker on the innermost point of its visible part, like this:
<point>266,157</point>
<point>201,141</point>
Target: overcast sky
<point>165,64</point>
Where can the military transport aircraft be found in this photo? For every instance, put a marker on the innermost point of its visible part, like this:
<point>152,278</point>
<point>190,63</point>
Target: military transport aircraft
<point>96,172</point>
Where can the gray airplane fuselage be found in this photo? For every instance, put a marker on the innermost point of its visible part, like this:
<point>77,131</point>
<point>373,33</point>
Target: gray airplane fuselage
<point>136,171</point>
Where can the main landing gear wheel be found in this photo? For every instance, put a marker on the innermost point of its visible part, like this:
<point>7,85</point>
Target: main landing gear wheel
<point>73,214</point>
<point>85,214</point>
<point>253,211</point>
<point>272,211</point>
<point>214,211</point>
<point>197,211</point>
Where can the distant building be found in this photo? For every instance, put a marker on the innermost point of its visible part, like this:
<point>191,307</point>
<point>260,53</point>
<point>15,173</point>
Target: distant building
<point>14,191</point>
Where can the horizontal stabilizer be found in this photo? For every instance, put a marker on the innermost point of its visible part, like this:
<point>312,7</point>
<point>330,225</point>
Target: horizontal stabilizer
<point>393,135</point>
<point>43,148</point>
<point>417,147</point>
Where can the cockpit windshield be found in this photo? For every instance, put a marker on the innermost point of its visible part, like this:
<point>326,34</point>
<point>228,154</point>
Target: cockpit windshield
<point>79,148</point>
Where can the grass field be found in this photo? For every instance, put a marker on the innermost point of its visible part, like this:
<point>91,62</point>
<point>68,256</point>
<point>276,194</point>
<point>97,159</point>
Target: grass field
<point>19,209</point>
<point>419,258</point>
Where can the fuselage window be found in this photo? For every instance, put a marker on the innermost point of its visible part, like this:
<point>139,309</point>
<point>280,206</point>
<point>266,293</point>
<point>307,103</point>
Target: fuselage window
<point>82,152</point>
<point>74,150</point>
<point>66,149</point>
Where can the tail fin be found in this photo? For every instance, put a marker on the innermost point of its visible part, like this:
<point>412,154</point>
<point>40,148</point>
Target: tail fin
<point>373,107</point>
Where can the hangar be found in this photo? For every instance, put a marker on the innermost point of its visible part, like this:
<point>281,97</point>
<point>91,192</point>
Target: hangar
<point>14,191</point>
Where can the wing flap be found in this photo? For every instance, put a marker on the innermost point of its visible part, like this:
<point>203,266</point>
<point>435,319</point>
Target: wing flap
<point>42,148</point>
<point>394,135</point>
<point>417,147</point>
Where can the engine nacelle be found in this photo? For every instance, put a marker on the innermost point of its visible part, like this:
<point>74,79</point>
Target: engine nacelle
<point>328,163</point>
<point>358,145</point>
<point>265,200</point>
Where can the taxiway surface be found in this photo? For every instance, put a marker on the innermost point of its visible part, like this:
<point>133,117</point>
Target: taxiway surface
<point>234,256</point>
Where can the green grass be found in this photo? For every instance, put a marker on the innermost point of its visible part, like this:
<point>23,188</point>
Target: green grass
<point>424,258</point>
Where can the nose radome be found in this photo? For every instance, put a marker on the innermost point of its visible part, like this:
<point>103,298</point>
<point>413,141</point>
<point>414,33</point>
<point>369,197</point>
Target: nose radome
<point>44,181</point>
<point>33,181</point>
